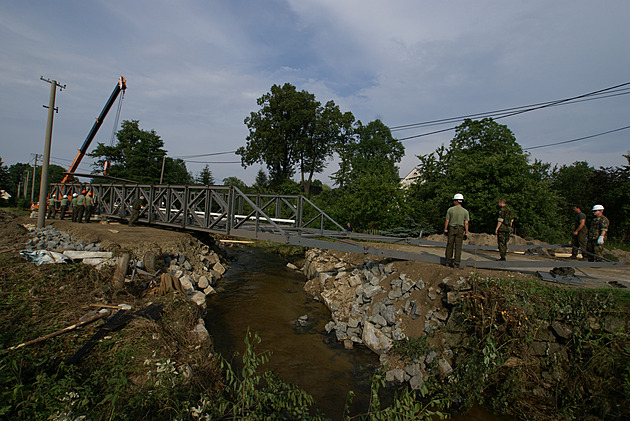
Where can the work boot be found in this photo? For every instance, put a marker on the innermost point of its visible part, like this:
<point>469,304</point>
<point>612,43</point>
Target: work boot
<point>502,259</point>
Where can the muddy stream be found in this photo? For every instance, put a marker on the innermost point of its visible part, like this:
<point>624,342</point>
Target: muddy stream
<point>261,294</point>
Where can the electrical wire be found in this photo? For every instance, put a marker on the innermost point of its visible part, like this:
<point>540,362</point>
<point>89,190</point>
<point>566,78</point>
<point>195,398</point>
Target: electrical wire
<point>509,112</point>
<point>212,162</point>
<point>504,111</point>
<point>576,140</point>
<point>205,154</point>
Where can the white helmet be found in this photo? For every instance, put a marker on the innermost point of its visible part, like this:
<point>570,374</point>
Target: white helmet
<point>598,207</point>
<point>65,196</point>
<point>74,195</point>
<point>458,196</point>
<point>54,195</point>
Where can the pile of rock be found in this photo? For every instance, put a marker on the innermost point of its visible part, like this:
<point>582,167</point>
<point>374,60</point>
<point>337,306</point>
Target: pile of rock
<point>48,238</point>
<point>372,304</point>
<point>198,275</point>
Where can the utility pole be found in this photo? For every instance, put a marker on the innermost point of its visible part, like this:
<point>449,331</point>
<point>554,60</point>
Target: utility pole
<point>43,186</point>
<point>162,172</point>
<point>33,183</point>
<point>26,182</point>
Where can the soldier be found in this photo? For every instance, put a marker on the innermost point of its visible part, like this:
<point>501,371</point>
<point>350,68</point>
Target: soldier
<point>504,226</point>
<point>578,238</point>
<point>456,228</point>
<point>81,206</point>
<point>136,206</point>
<point>75,209</point>
<point>52,207</point>
<point>89,202</point>
<point>64,206</point>
<point>597,234</point>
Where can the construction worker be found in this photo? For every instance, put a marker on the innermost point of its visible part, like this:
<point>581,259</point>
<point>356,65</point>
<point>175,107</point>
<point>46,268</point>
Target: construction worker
<point>75,209</point>
<point>64,206</point>
<point>136,206</point>
<point>456,228</point>
<point>578,237</point>
<point>504,227</point>
<point>89,202</point>
<point>81,206</point>
<point>597,234</point>
<point>52,207</point>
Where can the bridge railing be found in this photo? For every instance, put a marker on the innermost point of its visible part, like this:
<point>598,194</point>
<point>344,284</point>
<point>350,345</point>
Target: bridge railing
<point>218,209</point>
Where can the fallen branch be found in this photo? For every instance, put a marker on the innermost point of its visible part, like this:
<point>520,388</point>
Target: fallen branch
<point>60,332</point>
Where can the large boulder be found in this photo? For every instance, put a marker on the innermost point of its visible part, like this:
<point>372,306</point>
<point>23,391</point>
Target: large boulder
<point>374,339</point>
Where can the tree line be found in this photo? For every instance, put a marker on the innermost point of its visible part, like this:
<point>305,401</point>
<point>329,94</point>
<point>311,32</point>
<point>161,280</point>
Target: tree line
<point>292,134</point>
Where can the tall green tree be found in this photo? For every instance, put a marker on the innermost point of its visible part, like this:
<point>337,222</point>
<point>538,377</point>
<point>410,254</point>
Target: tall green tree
<point>138,155</point>
<point>573,183</point>
<point>17,174</point>
<point>485,162</point>
<point>261,183</point>
<point>4,176</point>
<point>205,176</point>
<point>291,132</point>
<point>236,182</point>
<point>370,197</point>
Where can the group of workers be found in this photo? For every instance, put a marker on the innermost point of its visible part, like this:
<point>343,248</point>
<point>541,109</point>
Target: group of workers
<point>590,242</point>
<point>81,206</point>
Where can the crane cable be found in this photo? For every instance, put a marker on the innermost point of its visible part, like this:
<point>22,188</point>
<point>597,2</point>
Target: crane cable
<point>120,100</point>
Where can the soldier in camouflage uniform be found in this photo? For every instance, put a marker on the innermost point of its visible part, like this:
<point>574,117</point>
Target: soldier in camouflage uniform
<point>578,237</point>
<point>456,228</point>
<point>597,234</point>
<point>504,227</point>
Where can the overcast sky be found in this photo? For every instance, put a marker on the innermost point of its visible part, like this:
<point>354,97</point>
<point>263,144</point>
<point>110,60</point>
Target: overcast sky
<point>195,68</point>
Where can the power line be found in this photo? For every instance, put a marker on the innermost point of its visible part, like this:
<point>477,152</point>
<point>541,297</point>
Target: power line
<point>212,162</point>
<point>509,112</point>
<point>578,139</point>
<point>504,111</point>
<point>205,154</point>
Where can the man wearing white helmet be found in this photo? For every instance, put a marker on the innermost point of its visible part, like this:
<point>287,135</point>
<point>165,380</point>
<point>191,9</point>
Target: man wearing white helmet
<point>456,228</point>
<point>64,206</point>
<point>52,206</point>
<point>597,234</point>
<point>75,209</point>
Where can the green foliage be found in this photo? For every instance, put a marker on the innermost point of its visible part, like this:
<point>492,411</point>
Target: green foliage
<point>236,182</point>
<point>371,197</point>
<point>506,319</point>
<point>412,348</point>
<point>484,163</point>
<point>205,177</point>
<point>261,183</point>
<point>251,395</point>
<point>138,156</point>
<point>407,405</point>
<point>292,131</point>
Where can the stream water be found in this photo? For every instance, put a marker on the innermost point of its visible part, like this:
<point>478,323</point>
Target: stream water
<point>260,294</point>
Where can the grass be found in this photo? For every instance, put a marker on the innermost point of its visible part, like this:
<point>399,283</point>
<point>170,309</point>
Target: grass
<point>585,374</point>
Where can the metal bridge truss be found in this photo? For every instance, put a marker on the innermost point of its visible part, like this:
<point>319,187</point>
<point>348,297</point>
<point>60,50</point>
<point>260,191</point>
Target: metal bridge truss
<point>287,219</point>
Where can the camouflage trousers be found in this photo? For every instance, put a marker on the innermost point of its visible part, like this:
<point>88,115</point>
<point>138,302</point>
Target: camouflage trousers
<point>594,248</point>
<point>502,239</point>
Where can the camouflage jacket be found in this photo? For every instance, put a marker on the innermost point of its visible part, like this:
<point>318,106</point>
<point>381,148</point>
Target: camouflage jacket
<point>506,217</point>
<point>598,225</point>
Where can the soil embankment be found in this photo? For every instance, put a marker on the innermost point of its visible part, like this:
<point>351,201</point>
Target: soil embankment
<point>467,334</point>
<point>158,352</point>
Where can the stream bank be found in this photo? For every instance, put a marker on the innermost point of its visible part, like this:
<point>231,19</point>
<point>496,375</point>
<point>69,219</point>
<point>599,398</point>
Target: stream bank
<point>528,349</point>
<point>260,294</point>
